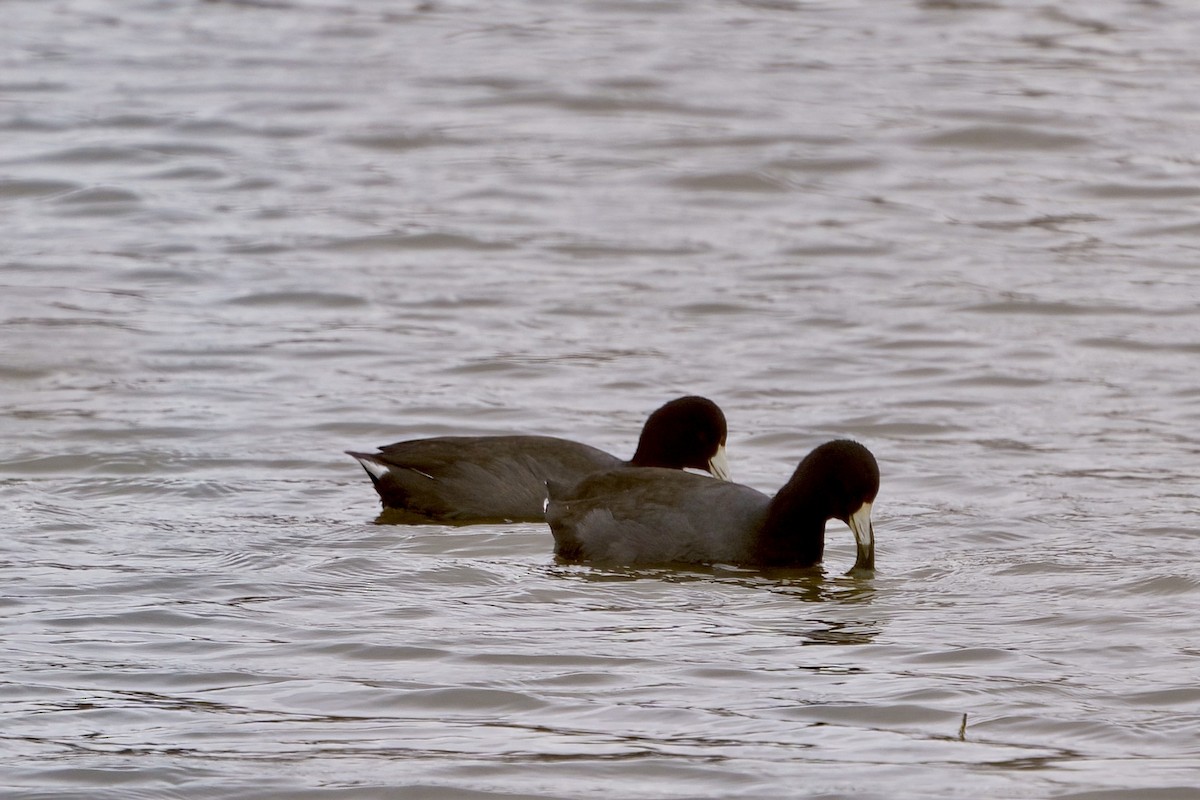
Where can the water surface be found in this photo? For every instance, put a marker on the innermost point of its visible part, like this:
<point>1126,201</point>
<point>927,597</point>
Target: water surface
<point>244,236</point>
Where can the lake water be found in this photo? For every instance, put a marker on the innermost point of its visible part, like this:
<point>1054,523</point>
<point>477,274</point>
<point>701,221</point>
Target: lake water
<point>242,237</point>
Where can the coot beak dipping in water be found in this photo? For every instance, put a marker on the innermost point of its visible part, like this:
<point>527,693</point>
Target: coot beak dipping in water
<point>653,516</point>
<point>465,480</point>
<point>718,465</point>
<point>864,537</point>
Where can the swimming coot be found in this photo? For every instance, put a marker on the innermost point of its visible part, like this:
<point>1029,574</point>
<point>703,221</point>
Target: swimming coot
<point>655,516</point>
<point>474,479</point>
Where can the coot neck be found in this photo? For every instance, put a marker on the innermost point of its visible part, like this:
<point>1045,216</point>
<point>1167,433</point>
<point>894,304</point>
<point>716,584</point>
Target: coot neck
<point>655,453</point>
<point>793,533</point>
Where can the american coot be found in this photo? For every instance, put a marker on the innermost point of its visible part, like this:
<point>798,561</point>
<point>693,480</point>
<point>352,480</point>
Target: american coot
<point>473,479</point>
<point>654,516</point>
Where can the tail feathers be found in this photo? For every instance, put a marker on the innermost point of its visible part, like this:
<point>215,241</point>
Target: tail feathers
<point>554,491</point>
<point>375,468</point>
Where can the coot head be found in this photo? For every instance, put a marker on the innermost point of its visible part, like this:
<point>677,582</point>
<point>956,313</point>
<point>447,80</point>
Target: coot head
<point>686,432</point>
<point>838,480</point>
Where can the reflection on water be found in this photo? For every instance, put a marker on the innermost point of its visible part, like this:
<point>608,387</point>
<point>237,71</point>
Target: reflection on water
<point>242,237</point>
<point>812,585</point>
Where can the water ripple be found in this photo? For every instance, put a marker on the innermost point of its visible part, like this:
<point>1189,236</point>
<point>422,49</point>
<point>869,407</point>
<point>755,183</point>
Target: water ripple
<point>962,232</point>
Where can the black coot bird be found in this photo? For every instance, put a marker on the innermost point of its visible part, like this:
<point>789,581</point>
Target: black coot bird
<point>654,516</point>
<point>463,480</point>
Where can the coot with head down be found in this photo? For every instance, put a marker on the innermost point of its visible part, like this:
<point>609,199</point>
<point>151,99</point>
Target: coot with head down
<point>475,479</point>
<point>654,516</point>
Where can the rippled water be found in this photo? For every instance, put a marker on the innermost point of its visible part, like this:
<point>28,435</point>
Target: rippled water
<point>241,237</point>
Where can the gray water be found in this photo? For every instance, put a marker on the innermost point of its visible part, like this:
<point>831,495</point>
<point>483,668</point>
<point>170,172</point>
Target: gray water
<point>241,237</point>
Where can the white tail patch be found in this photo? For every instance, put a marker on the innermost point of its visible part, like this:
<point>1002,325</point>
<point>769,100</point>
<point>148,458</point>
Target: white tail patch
<point>374,467</point>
